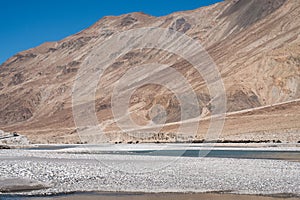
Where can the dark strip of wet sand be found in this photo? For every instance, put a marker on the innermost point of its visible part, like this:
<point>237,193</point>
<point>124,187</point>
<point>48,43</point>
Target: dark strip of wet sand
<point>164,196</point>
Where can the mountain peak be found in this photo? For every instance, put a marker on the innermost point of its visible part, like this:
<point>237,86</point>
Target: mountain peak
<point>255,44</point>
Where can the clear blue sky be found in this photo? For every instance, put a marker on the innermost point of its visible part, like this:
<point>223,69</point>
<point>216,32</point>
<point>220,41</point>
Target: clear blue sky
<point>27,23</point>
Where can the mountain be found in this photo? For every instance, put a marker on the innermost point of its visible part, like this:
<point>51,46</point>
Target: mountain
<point>254,43</point>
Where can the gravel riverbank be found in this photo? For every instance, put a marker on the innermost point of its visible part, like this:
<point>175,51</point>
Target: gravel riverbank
<point>68,172</point>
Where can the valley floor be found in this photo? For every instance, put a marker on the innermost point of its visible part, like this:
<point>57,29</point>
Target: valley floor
<point>64,169</point>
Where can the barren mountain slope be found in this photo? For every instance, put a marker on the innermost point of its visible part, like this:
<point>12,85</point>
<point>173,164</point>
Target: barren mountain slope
<point>255,44</point>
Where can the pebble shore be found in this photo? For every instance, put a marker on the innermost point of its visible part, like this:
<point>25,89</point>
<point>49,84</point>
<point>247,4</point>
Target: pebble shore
<point>67,172</point>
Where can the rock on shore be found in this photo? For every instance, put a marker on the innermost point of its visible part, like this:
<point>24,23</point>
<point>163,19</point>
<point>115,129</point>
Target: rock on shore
<point>14,138</point>
<point>20,185</point>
